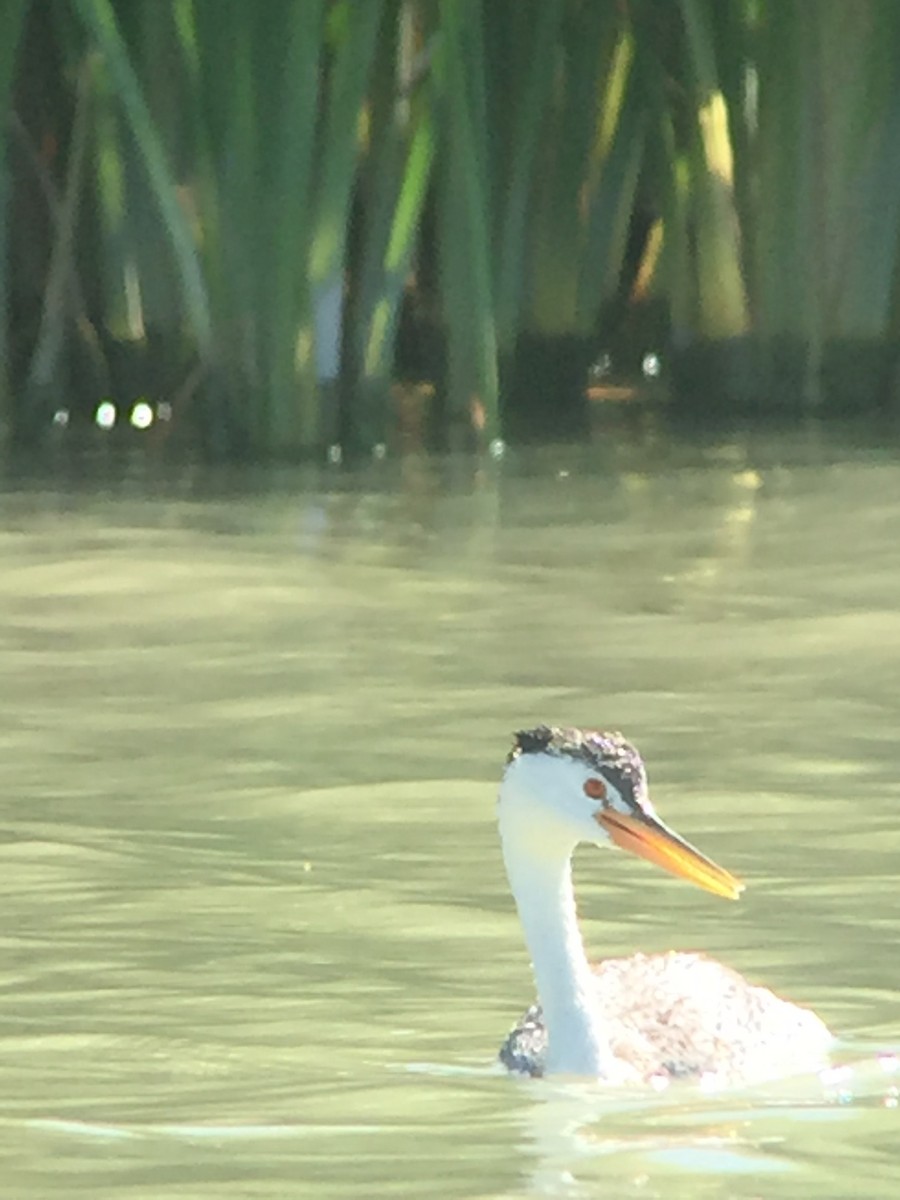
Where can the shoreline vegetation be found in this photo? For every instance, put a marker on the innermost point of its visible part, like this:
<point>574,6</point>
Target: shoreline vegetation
<point>306,223</point>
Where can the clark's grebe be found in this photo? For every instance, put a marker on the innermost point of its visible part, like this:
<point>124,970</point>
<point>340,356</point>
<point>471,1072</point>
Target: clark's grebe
<point>625,1020</point>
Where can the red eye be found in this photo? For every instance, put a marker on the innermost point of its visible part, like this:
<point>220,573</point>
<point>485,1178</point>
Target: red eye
<point>595,788</point>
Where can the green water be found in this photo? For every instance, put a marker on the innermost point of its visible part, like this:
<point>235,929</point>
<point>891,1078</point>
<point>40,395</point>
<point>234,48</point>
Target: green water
<point>256,939</point>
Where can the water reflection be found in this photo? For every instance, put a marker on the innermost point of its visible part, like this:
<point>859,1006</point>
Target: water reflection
<point>251,732</point>
<point>576,1136</point>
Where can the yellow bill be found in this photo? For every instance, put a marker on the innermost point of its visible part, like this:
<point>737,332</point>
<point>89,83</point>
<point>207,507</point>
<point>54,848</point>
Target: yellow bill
<point>649,838</point>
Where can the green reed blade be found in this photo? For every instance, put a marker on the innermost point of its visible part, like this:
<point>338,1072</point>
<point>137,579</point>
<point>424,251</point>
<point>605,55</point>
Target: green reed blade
<point>574,139</point>
<point>610,195</point>
<point>404,228</point>
<point>293,386</point>
<point>99,19</point>
<point>722,300</point>
<point>465,221</point>
<point>12,16</point>
<point>354,29</point>
<point>522,80</point>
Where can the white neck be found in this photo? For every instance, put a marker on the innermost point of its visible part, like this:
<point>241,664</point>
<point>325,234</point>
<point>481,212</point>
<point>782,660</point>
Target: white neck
<point>540,875</point>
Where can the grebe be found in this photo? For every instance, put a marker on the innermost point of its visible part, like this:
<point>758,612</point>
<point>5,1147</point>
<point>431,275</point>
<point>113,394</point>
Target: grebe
<point>648,1018</point>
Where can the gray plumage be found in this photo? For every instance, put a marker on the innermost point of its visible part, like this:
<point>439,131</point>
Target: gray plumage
<point>681,1015</point>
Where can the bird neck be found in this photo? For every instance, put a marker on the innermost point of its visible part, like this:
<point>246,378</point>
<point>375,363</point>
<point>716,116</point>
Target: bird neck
<point>540,876</point>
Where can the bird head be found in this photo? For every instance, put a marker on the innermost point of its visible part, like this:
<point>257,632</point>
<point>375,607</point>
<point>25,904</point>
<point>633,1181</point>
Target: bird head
<point>565,786</point>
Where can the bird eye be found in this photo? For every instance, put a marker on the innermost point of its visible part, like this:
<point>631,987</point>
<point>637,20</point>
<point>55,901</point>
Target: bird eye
<point>595,788</point>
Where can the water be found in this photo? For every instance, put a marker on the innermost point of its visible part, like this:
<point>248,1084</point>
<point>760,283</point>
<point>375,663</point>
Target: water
<point>256,937</point>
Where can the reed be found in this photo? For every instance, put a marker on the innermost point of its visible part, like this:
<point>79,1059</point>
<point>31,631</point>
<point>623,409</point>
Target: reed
<point>100,21</point>
<point>395,181</point>
<point>257,193</point>
<point>465,226</point>
<point>574,182</point>
<point>12,16</point>
<point>722,309</point>
<point>521,41</point>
